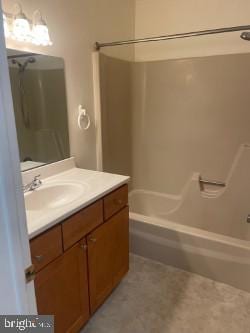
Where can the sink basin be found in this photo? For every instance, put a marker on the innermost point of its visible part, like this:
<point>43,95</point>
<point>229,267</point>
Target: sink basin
<point>53,196</point>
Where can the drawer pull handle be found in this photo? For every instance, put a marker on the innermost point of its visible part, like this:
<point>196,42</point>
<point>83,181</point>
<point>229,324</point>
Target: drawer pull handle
<point>93,240</point>
<point>84,247</point>
<point>118,201</point>
<point>39,258</point>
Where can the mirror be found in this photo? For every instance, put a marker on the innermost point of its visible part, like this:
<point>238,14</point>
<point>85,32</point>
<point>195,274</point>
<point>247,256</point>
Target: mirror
<point>40,107</point>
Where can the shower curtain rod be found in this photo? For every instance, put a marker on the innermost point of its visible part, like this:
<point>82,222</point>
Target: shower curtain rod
<point>244,35</point>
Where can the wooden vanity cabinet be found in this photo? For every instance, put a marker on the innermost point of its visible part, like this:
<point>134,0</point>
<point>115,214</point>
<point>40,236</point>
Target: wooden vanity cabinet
<point>62,290</point>
<point>81,260</point>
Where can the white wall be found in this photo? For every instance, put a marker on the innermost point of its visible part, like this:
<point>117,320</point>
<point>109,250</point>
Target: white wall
<point>161,17</point>
<point>75,26</point>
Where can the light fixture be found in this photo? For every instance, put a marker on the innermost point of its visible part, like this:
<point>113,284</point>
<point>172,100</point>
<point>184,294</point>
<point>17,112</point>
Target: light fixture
<point>6,26</point>
<point>18,27</point>
<point>40,31</point>
<point>21,27</point>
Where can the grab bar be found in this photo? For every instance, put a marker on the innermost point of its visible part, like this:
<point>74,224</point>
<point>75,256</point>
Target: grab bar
<point>212,182</point>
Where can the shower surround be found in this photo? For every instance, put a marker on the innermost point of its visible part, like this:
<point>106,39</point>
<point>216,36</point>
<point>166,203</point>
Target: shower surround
<point>183,120</point>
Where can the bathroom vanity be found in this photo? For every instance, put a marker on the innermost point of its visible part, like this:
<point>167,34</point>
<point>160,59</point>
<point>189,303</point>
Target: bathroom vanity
<point>78,259</point>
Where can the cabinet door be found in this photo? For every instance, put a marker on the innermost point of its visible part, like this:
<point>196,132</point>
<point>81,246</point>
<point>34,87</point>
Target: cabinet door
<point>62,290</point>
<point>108,253</point>
<point>120,223</point>
<point>100,259</point>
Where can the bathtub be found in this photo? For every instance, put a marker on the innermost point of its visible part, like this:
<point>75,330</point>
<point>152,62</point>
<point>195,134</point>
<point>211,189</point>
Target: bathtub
<point>212,254</point>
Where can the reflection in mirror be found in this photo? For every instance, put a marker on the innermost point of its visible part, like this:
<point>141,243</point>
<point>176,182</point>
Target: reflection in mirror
<point>40,106</point>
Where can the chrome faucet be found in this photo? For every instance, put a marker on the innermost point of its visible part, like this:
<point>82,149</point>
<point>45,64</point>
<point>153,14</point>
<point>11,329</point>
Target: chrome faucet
<point>36,182</point>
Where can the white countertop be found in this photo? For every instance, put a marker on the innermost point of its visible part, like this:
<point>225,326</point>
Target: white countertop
<point>30,165</point>
<point>96,184</point>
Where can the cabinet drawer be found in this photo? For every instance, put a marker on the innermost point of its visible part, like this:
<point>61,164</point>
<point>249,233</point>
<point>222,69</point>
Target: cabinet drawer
<point>115,201</point>
<point>46,247</point>
<point>80,224</point>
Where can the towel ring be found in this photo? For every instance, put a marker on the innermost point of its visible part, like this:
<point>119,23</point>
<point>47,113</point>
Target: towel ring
<point>82,114</point>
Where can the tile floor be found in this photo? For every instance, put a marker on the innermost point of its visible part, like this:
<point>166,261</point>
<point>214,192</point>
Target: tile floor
<point>155,298</point>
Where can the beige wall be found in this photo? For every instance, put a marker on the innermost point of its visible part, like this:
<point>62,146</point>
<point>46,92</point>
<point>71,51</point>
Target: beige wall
<point>159,17</point>
<point>74,27</point>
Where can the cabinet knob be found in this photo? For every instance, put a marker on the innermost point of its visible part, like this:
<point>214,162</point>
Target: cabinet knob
<point>118,201</point>
<point>84,246</point>
<point>93,240</point>
<point>39,258</point>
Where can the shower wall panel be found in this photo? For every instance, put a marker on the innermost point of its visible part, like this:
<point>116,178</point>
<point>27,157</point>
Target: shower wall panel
<point>189,115</point>
<point>116,104</point>
<point>165,120</point>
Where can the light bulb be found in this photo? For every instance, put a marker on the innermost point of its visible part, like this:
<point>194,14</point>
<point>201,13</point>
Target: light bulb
<point>6,26</point>
<point>40,31</point>
<point>21,28</point>
<point>40,35</point>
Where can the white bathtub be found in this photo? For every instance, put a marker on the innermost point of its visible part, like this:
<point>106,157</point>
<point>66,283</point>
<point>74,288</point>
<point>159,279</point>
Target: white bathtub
<point>211,254</point>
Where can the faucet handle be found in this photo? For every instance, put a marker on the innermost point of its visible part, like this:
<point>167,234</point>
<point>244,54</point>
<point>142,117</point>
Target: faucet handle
<point>37,181</point>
